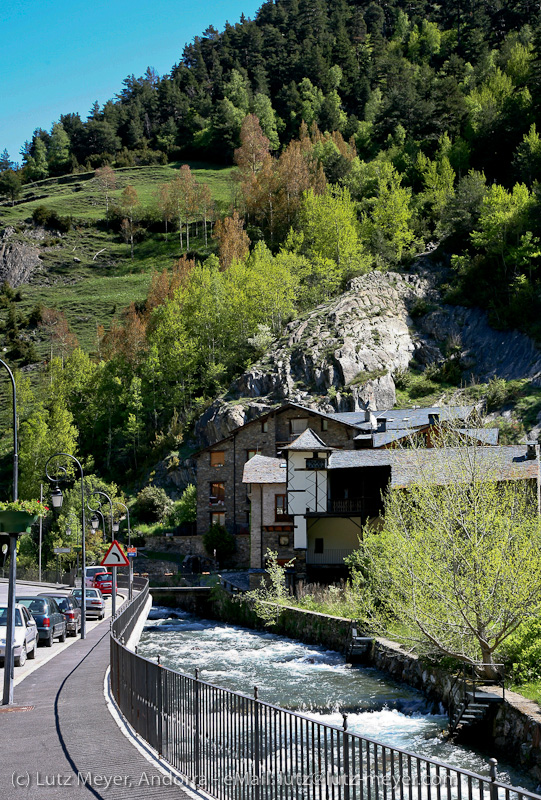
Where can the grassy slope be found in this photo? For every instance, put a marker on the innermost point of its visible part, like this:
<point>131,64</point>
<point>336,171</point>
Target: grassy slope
<point>91,292</point>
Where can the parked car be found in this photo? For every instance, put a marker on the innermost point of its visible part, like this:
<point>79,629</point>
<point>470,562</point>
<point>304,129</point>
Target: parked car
<point>91,572</point>
<point>95,604</point>
<point>26,634</point>
<point>50,620</point>
<point>70,608</point>
<point>104,582</point>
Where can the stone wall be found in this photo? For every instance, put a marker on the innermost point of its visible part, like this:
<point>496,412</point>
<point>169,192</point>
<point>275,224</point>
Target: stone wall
<point>193,545</point>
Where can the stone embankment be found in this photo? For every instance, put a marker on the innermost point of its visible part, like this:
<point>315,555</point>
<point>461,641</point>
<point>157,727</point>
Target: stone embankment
<point>514,730</point>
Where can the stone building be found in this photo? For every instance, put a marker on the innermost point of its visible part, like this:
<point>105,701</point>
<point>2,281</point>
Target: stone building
<point>226,498</point>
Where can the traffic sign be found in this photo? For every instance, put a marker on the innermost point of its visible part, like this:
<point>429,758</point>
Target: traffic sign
<point>131,552</point>
<point>114,557</point>
<point>58,550</point>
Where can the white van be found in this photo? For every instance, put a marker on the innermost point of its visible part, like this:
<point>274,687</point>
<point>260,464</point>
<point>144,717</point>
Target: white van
<point>90,572</point>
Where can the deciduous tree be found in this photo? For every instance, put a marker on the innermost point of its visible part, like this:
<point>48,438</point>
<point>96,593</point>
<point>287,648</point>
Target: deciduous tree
<point>458,560</point>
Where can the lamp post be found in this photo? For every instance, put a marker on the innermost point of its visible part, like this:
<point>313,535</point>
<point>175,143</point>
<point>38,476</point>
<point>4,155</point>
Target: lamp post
<point>113,525</point>
<point>130,587</point>
<point>111,522</point>
<point>9,660</point>
<point>73,521</point>
<point>56,500</point>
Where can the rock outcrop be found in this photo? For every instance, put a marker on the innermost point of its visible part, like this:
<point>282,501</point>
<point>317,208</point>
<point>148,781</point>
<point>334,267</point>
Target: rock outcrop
<point>348,351</point>
<point>18,260</point>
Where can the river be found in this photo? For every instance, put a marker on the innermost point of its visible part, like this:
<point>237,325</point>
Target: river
<point>312,680</point>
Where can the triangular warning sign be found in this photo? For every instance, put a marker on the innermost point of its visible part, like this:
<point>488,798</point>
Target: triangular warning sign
<point>115,557</point>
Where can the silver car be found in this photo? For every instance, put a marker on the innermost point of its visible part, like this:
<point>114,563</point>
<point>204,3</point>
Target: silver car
<point>95,604</point>
<point>26,634</point>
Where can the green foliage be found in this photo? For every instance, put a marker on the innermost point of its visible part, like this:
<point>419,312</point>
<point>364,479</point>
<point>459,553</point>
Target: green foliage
<point>272,593</point>
<point>458,556</point>
<point>152,504</point>
<point>218,539</point>
<point>185,509</point>
<point>521,653</point>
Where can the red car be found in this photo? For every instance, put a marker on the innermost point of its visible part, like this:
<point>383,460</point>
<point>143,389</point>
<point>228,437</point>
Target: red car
<point>104,582</point>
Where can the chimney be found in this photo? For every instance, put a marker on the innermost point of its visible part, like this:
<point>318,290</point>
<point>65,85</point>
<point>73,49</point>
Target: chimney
<point>531,454</point>
<point>367,412</point>
<point>433,418</point>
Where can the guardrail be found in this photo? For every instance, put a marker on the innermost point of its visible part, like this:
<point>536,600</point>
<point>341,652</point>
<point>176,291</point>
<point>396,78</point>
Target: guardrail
<point>237,747</point>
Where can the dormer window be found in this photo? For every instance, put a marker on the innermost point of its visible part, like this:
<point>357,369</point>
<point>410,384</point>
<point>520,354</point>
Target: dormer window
<point>324,424</point>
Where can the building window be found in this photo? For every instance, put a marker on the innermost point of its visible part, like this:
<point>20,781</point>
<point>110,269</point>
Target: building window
<point>318,546</point>
<point>217,458</point>
<point>265,426</point>
<point>250,454</point>
<point>217,518</point>
<point>217,494</point>
<point>298,425</point>
<point>280,506</point>
<point>324,424</point>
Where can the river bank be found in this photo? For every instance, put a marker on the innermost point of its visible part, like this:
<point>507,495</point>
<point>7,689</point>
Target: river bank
<point>513,732</point>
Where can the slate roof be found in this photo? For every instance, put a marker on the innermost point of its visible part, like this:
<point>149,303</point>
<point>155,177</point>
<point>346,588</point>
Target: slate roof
<point>262,469</point>
<point>307,440</point>
<point>485,435</point>
<point>441,465</point>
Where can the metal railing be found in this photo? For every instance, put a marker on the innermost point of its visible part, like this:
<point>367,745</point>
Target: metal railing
<point>237,747</point>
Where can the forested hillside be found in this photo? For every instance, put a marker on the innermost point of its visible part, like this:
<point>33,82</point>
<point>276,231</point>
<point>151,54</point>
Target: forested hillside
<point>361,135</point>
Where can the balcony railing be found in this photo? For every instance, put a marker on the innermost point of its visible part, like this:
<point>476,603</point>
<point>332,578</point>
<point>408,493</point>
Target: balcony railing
<point>331,555</point>
<point>370,508</point>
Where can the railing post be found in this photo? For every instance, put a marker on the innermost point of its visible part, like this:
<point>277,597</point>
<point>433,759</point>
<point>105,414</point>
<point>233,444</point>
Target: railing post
<point>257,745</point>
<point>197,755</point>
<point>160,708</point>
<point>493,778</point>
<point>345,751</point>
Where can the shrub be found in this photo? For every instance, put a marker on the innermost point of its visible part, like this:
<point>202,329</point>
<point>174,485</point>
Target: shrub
<point>185,509</point>
<point>219,539</point>
<point>152,504</point>
<point>42,215</point>
<point>522,652</point>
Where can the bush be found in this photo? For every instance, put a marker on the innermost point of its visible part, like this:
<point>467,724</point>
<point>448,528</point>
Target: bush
<point>152,504</point>
<point>219,539</point>
<point>44,216</point>
<point>522,653</point>
<point>185,509</point>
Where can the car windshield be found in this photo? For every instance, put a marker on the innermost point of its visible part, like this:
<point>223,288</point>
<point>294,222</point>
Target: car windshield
<point>34,604</point>
<point>4,618</point>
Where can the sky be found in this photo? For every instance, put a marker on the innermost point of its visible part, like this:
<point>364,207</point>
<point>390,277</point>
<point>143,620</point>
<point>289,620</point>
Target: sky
<point>59,56</point>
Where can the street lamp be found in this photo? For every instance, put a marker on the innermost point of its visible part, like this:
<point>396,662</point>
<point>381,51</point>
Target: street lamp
<point>57,503</point>
<point>103,494</point>
<point>9,660</point>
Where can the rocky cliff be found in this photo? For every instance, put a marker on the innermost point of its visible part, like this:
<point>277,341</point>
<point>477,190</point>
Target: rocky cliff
<point>350,350</point>
<point>18,259</point>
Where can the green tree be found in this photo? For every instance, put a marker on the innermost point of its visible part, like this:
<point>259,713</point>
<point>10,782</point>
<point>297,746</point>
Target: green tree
<point>36,164</point>
<point>58,152</point>
<point>329,225</point>
<point>458,559</point>
<point>10,185</point>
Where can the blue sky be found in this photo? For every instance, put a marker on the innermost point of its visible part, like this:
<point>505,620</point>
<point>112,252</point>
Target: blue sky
<point>58,56</point>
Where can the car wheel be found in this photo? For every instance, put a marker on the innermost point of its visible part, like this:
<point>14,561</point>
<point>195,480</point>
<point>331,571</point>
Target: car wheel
<point>62,637</point>
<point>20,661</point>
<point>49,640</point>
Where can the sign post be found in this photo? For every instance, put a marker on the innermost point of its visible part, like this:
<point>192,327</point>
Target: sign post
<point>131,552</point>
<point>114,557</point>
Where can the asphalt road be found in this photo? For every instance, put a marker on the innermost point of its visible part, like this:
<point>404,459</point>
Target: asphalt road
<point>44,654</point>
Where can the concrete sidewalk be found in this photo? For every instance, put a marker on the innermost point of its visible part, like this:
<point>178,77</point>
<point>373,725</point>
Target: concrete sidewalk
<point>60,740</point>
